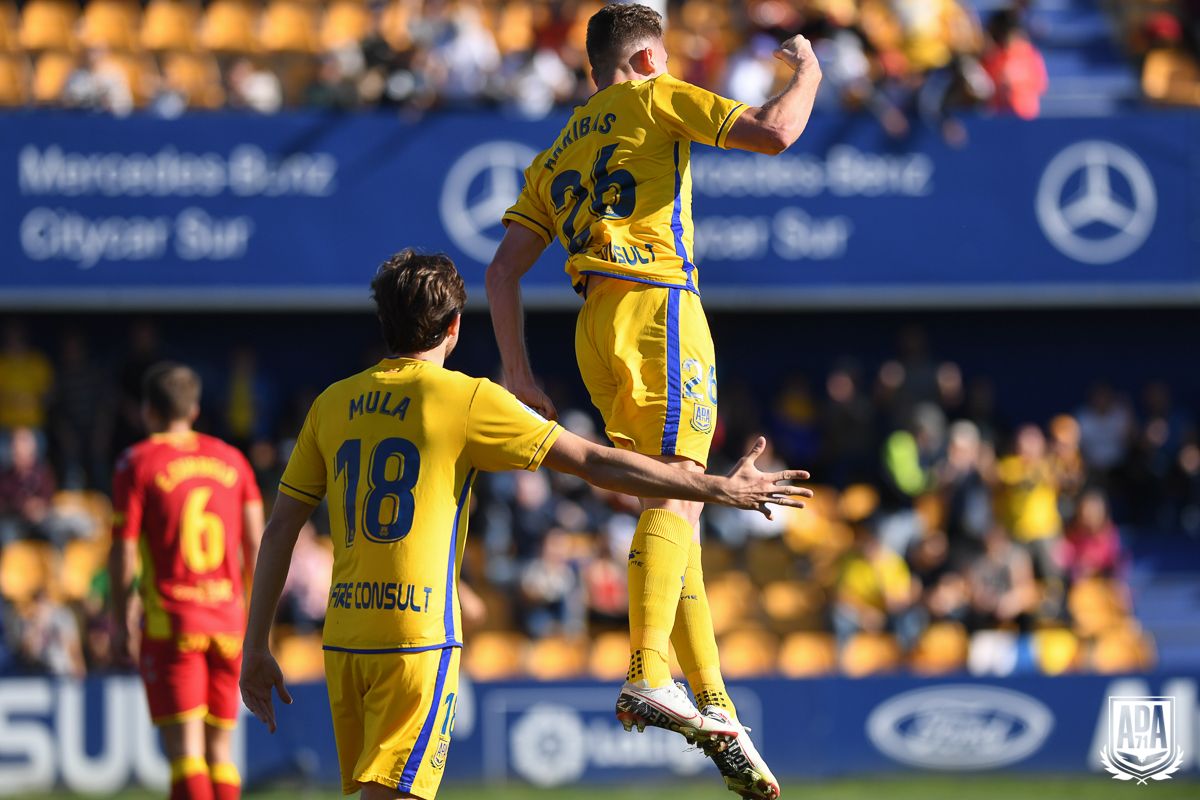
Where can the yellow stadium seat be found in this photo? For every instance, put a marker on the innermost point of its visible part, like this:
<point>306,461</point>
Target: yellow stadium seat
<point>301,657</point>
<point>110,25</point>
<point>495,655</point>
<point>791,605</point>
<point>1057,650</point>
<point>136,70</point>
<point>1124,648</point>
<point>196,77</point>
<point>716,557</point>
<point>731,597</point>
<point>870,654</point>
<point>609,660</point>
<point>394,25</point>
<point>25,569</point>
<point>48,25</point>
<point>289,26</point>
<point>10,22</point>
<point>557,658</point>
<point>345,22</point>
<point>941,649</point>
<point>230,26</point>
<point>14,80</point>
<point>82,560</point>
<point>515,27</point>
<point>748,653</point>
<point>808,654</point>
<point>1095,605</point>
<point>768,560</point>
<point>50,74</point>
<point>857,502</point>
<point>170,25</point>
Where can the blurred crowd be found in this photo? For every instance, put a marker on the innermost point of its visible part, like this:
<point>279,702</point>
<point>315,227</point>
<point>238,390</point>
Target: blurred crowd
<point>944,536</point>
<point>1165,39</point>
<point>900,60</point>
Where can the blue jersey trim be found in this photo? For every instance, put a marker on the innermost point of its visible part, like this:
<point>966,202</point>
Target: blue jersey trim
<point>451,567</point>
<point>374,651</point>
<point>670,435</point>
<point>677,224</point>
<point>579,287</point>
<point>413,765</point>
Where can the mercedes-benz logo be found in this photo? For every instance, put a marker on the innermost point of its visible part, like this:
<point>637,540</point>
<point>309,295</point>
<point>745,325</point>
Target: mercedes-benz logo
<point>1097,202</point>
<point>479,188</point>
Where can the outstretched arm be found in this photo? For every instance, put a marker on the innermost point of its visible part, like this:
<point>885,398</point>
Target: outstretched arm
<point>774,126</point>
<point>518,252</point>
<point>260,672</point>
<point>630,473</point>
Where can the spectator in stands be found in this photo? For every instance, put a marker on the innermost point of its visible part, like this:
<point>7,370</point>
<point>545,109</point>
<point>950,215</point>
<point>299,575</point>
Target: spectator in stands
<point>1015,66</point>
<point>604,583</point>
<point>795,420</point>
<point>144,350</point>
<point>848,437</point>
<point>81,413</point>
<point>26,488</point>
<point>1183,490</point>
<point>550,591</point>
<point>1028,501</point>
<point>1106,429</point>
<point>306,591</point>
<point>49,642</point>
<point>1170,70</point>
<point>26,379</point>
<point>945,593</point>
<point>249,400</point>
<point>254,87</point>
<point>876,592</point>
<point>1092,545</point>
<point>966,496</point>
<point>909,456</point>
<point>1003,589</point>
<point>1066,462</point>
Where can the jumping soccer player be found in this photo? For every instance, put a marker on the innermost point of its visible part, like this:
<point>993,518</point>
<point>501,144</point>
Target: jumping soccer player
<point>615,189</point>
<point>190,505</point>
<point>395,449</point>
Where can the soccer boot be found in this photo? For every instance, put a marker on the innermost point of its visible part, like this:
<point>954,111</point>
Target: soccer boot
<point>743,768</point>
<point>668,707</point>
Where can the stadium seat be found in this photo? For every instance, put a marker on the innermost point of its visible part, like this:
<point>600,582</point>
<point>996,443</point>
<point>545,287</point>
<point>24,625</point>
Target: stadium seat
<point>870,654</point>
<point>808,654</point>
<point>1124,648</point>
<point>345,22</point>
<point>82,560</point>
<point>10,22</point>
<point>495,655</point>
<point>110,25</point>
<point>1095,605</point>
<point>609,659</point>
<point>557,658</point>
<point>14,80</point>
<point>748,653</point>
<point>135,69</point>
<point>170,25</point>
<point>732,598</point>
<point>48,25</point>
<point>1057,650</point>
<point>857,502</point>
<point>940,650</point>
<point>394,25</point>
<point>25,569</point>
<point>50,74</point>
<point>1172,77</point>
<point>768,560</point>
<point>196,77</point>
<point>230,26</point>
<point>791,605</point>
<point>515,27</point>
<point>716,557</point>
<point>289,26</point>
<point>301,657</point>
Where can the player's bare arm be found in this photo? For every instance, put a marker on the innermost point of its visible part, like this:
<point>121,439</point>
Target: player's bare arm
<point>260,672</point>
<point>518,252</point>
<point>774,126</point>
<point>622,471</point>
<point>122,564</point>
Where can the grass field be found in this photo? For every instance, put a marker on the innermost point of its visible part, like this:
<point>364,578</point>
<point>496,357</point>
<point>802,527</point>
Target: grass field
<point>1098,787</point>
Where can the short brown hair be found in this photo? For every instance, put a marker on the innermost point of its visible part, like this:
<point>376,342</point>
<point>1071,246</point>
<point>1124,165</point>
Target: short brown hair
<point>417,296</point>
<point>172,390</point>
<point>616,28</point>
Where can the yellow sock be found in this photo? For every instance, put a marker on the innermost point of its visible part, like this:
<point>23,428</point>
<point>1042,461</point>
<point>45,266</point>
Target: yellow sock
<point>226,781</point>
<point>657,560</point>
<point>694,640</point>
<point>187,767</point>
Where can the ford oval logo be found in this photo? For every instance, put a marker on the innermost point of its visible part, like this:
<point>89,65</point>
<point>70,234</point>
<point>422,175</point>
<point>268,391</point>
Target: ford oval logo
<point>960,727</point>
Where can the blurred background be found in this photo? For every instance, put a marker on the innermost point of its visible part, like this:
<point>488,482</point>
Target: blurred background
<point>966,301</point>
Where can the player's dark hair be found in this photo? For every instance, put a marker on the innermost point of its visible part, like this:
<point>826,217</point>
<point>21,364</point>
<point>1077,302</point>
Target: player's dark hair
<point>417,296</point>
<point>615,29</point>
<point>172,390</point>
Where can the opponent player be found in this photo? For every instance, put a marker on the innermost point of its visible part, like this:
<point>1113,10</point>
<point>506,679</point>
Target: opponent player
<point>615,189</point>
<point>190,505</point>
<point>395,449</point>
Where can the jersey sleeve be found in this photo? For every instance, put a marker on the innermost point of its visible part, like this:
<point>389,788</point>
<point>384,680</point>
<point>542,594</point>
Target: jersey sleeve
<point>304,477</point>
<point>530,210</point>
<point>128,499</point>
<point>690,112</point>
<point>503,433</point>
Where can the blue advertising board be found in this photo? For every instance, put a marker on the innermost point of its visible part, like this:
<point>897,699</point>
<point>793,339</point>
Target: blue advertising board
<point>295,210</point>
<point>95,738</point>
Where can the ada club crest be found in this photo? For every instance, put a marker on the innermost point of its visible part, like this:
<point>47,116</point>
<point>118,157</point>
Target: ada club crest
<point>702,418</point>
<point>1141,739</point>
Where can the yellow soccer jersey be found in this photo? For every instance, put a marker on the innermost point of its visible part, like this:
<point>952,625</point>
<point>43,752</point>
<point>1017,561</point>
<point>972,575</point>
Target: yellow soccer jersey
<point>615,187</point>
<point>395,449</point>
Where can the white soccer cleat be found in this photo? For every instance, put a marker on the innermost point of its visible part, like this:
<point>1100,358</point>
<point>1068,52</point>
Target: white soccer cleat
<point>668,707</point>
<point>743,768</point>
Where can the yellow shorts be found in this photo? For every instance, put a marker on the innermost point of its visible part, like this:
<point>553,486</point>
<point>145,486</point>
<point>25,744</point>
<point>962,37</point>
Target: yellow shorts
<point>393,714</point>
<point>646,357</point>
